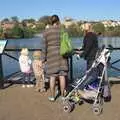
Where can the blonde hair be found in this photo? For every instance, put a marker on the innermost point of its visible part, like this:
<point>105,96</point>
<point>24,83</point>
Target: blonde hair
<point>37,54</point>
<point>24,51</point>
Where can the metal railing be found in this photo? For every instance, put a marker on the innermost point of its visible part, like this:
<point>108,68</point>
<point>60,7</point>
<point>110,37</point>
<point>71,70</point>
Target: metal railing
<point>6,53</point>
<point>71,63</point>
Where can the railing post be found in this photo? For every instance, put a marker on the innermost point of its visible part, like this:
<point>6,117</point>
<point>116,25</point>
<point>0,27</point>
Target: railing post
<point>71,68</point>
<point>1,73</point>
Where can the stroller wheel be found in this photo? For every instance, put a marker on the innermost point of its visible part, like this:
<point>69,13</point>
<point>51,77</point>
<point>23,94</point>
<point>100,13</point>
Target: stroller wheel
<point>68,106</point>
<point>80,102</point>
<point>97,109</point>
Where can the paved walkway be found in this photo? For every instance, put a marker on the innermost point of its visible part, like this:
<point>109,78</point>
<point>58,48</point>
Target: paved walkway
<point>17,103</point>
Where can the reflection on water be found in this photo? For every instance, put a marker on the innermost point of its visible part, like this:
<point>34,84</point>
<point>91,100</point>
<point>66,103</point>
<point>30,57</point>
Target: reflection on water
<point>11,65</point>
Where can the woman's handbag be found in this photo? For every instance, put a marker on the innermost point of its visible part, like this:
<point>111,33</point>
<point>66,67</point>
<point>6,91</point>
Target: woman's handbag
<point>65,43</point>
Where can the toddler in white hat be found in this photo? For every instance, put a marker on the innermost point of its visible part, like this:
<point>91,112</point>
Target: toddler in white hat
<point>25,66</point>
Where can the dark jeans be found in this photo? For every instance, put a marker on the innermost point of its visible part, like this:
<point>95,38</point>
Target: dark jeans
<point>26,78</point>
<point>89,63</point>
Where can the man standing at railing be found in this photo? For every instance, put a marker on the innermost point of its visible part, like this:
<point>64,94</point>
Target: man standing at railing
<point>90,45</point>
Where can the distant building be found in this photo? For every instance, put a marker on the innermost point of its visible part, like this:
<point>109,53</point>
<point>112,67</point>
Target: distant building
<point>31,25</point>
<point>68,22</point>
<point>7,25</point>
<point>110,23</point>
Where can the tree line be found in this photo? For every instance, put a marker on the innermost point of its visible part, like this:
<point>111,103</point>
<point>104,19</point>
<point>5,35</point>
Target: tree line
<point>27,28</point>
<point>75,30</point>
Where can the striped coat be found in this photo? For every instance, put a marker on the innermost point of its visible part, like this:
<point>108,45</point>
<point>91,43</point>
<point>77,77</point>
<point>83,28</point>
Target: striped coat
<point>55,62</point>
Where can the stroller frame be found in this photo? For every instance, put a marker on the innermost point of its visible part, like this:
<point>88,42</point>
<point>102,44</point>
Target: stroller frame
<point>70,100</point>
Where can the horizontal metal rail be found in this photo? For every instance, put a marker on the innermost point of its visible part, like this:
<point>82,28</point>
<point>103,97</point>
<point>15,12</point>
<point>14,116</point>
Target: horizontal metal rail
<point>7,49</point>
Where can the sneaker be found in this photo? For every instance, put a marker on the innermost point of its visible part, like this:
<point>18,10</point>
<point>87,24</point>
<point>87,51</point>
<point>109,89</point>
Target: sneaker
<point>52,99</point>
<point>37,90</point>
<point>23,86</point>
<point>28,86</point>
<point>62,98</point>
<point>43,90</point>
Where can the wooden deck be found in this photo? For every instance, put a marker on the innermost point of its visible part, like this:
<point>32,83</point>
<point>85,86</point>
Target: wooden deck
<point>17,103</point>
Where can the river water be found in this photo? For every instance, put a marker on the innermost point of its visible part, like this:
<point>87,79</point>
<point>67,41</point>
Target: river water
<point>79,66</point>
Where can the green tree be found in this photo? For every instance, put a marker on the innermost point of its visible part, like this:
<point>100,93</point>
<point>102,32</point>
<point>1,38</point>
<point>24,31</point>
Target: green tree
<point>79,23</point>
<point>31,20</point>
<point>1,30</point>
<point>39,27</point>
<point>74,30</point>
<point>109,31</point>
<point>16,32</point>
<point>1,33</point>
<point>45,20</point>
<point>99,28</point>
<point>23,23</point>
<point>117,31</point>
<point>5,20</point>
<point>15,19</point>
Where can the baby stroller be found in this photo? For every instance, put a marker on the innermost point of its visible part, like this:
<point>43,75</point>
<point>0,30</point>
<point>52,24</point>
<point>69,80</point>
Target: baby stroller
<point>93,86</point>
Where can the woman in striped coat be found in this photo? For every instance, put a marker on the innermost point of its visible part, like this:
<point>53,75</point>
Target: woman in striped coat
<point>57,66</point>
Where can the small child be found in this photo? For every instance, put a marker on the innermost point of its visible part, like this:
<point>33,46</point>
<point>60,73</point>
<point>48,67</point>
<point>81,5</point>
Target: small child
<point>25,66</point>
<point>38,71</point>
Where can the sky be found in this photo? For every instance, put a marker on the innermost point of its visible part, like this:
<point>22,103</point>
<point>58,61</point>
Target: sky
<point>76,9</point>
